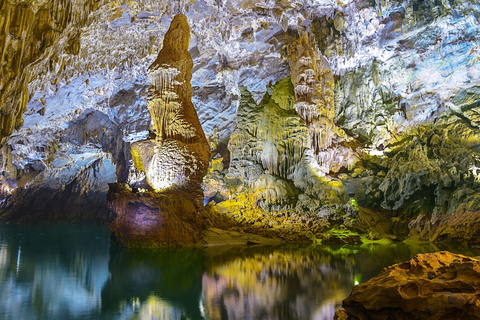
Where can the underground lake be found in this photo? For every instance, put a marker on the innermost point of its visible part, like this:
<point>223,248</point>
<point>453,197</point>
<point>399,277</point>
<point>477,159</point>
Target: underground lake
<point>74,272</point>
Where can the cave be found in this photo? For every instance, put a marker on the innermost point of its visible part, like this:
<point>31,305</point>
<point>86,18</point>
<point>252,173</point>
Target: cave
<point>244,159</point>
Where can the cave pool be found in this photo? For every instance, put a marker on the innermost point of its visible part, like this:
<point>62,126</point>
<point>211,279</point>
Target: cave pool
<point>73,272</point>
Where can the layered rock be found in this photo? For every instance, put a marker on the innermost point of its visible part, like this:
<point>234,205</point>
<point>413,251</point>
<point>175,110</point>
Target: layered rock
<point>438,285</point>
<point>271,152</point>
<point>173,162</point>
<point>393,66</point>
<point>69,183</point>
<point>313,82</point>
<point>427,180</point>
<point>27,30</point>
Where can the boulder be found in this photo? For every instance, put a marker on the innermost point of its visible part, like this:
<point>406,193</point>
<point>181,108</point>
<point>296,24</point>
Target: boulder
<point>439,285</point>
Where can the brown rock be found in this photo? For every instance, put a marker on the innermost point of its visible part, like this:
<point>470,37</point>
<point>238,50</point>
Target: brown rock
<point>463,226</point>
<point>153,219</point>
<point>340,315</point>
<point>438,285</point>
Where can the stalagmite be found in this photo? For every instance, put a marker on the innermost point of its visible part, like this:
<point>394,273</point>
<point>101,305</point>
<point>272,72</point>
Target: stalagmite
<point>313,83</point>
<point>174,162</point>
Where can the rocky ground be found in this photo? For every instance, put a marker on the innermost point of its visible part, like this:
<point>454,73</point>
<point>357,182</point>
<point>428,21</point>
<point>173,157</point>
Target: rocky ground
<point>438,285</point>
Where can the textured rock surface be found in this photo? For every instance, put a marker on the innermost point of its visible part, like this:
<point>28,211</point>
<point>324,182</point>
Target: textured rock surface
<point>438,285</point>
<point>427,180</point>
<point>271,153</point>
<point>150,219</point>
<point>313,82</point>
<point>179,154</point>
<point>28,30</point>
<point>390,83</point>
<point>173,163</point>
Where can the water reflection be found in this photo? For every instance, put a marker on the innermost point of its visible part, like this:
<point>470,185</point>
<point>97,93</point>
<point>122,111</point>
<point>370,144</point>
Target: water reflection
<point>51,273</point>
<point>145,282</point>
<point>72,273</point>
<point>276,283</point>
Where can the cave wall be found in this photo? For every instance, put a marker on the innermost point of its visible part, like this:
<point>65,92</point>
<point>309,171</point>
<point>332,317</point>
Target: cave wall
<point>386,111</point>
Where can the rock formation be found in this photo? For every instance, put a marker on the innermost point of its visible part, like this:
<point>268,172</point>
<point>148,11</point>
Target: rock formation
<point>27,31</point>
<point>438,285</point>
<point>173,163</point>
<point>313,82</point>
<point>384,110</point>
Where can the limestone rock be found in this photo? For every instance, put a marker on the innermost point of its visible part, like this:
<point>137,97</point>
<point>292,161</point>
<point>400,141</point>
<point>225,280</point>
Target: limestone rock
<point>270,139</point>
<point>28,29</point>
<point>174,162</point>
<point>69,190</point>
<point>438,285</point>
<point>272,154</point>
<point>180,152</point>
<point>152,219</point>
<point>313,83</point>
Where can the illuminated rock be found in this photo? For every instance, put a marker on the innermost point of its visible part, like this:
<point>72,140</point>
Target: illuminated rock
<point>391,67</point>
<point>272,155</point>
<point>313,82</point>
<point>438,285</point>
<point>154,219</point>
<point>28,29</point>
<point>180,153</point>
<point>429,179</point>
<point>174,162</point>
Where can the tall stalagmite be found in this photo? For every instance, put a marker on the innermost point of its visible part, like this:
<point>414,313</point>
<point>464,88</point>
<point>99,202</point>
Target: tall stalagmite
<point>173,162</point>
<point>313,82</point>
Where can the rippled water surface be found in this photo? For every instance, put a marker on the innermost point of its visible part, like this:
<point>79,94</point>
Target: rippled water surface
<point>71,272</point>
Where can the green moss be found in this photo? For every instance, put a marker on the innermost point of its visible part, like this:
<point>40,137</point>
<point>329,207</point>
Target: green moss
<point>341,251</point>
<point>341,233</point>
<point>315,240</point>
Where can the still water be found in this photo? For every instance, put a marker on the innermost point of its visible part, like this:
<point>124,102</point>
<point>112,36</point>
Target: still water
<point>71,272</point>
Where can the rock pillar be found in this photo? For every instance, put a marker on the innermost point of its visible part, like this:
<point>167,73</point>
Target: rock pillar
<point>173,162</point>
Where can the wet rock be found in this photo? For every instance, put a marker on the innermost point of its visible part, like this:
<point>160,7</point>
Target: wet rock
<point>151,219</point>
<point>438,285</point>
<point>70,190</point>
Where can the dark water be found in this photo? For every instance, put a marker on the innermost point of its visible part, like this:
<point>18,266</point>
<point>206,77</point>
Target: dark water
<point>70,272</point>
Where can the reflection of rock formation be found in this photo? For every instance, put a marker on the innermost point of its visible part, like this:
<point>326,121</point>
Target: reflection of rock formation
<point>173,163</point>
<point>163,281</point>
<point>313,82</point>
<point>274,284</point>
<point>52,272</point>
